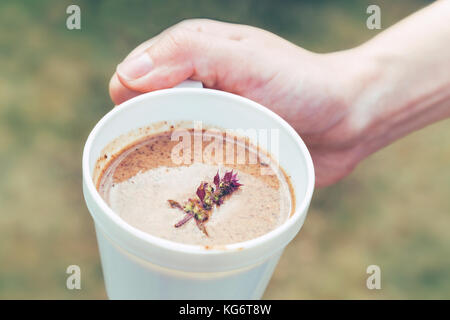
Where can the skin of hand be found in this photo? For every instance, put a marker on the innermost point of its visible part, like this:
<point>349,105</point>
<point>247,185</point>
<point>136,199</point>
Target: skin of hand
<point>345,105</point>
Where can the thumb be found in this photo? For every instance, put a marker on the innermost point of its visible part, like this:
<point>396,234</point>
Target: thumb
<point>175,56</point>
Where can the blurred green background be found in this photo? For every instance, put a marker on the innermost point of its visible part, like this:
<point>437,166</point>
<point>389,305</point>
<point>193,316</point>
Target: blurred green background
<point>393,211</point>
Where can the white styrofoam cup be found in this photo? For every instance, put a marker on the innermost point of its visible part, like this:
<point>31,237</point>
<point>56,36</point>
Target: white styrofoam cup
<point>137,265</point>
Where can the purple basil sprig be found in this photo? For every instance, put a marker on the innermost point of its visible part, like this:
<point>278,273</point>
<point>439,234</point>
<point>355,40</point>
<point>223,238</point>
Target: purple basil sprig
<point>201,208</point>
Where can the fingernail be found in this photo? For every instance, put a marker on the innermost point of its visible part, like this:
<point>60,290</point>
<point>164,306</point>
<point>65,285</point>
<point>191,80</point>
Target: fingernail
<point>134,68</point>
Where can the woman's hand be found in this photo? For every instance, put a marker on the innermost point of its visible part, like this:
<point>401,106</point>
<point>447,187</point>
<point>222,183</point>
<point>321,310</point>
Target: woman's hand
<point>308,90</point>
<point>345,105</point>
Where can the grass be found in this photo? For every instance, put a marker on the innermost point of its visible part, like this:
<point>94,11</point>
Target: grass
<point>393,211</point>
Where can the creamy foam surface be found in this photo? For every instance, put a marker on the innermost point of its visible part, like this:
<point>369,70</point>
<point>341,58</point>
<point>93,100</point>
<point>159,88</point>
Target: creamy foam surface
<point>255,209</point>
<point>138,182</point>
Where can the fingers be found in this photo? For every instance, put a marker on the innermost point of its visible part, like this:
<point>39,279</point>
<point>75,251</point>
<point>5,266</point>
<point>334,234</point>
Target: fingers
<point>118,92</point>
<point>218,29</point>
<point>216,53</point>
<point>175,56</point>
<point>142,47</point>
<point>214,28</point>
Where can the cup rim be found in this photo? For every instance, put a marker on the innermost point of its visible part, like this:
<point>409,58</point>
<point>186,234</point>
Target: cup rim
<point>300,210</point>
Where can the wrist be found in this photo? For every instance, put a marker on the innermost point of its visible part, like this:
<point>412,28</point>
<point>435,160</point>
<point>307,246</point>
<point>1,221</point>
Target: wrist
<point>373,81</point>
<point>359,80</point>
<point>392,96</point>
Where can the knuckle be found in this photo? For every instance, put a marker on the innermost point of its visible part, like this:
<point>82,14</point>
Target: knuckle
<point>185,37</point>
<point>198,25</point>
<point>186,23</point>
<point>178,38</point>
